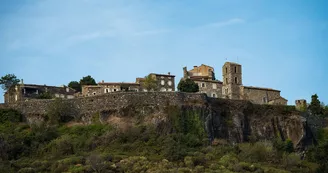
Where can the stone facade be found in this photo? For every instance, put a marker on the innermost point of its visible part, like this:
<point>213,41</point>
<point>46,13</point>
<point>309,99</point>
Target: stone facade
<point>24,92</point>
<point>211,88</point>
<point>232,80</point>
<point>165,82</point>
<point>232,85</point>
<point>301,104</point>
<point>205,78</point>
<point>259,95</point>
<point>106,87</point>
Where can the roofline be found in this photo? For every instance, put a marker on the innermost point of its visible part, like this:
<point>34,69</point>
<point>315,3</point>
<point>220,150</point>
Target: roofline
<point>157,74</point>
<point>212,81</point>
<point>228,62</point>
<point>260,88</point>
<point>42,86</point>
<point>117,83</point>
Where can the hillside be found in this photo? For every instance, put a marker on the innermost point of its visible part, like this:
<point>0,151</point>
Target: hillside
<point>157,132</point>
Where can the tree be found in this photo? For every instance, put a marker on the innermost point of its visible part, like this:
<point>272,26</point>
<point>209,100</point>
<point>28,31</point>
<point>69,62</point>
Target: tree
<point>150,83</point>
<point>188,85</point>
<point>75,85</point>
<point>88,80</point>
<point>8,80</point>
<point>315,105</point>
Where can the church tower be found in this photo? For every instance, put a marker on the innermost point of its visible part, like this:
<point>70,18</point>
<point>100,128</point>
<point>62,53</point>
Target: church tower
<point>232,80</point>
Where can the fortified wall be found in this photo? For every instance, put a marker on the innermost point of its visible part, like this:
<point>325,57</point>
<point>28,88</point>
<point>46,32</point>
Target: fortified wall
<point>233,120</point>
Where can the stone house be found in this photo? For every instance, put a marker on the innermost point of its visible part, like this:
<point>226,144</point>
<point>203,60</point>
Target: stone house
<point>231,86</point>
<point>165,82</point>
<point>109,87</point>
<point>24,92</point>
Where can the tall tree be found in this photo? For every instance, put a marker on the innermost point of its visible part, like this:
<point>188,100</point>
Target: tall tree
<point>8,80</point>
<point>188,85</point>
<point>75,85</point>
<point>88,80</point>
<point>150,83</point>
<point>315,105</point>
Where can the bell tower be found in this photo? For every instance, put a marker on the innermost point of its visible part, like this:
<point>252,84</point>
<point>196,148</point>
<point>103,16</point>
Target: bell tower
<point>232,80</point>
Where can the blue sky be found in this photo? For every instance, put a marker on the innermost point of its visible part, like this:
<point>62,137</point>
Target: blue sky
<point>281,44</point>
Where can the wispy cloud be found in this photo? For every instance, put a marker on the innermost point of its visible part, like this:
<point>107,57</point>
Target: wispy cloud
<point>152,32</point>
<point>225,23</point>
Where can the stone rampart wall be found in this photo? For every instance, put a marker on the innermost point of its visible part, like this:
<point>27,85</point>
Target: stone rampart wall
<point>111,101</point>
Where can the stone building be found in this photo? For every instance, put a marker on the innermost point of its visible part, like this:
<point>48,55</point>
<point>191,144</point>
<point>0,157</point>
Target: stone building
<point>165,82</point>
<point>109,87</point>
<point>205,78</point>
<point>231,86</point>
<point>24,92</point>
<point>301,104</point>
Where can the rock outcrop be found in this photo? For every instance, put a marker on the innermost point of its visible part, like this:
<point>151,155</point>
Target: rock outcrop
<point>233,120</point>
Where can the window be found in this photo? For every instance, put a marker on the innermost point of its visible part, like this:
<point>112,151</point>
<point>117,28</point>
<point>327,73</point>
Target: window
<point>203,85</point>
<point>214,86</point>
<point>163,89</point>
<point>236,80</point>
<point>226,69</point>
<point>169,83</point>
<point>16,97</point>
<point>114,90</point>
<point>162,82</point>
<point>94,93</point>
<point>235,69</point>
<point>226,80</point>
<point>226,90</point>
<point>106,90</point>
<point>213,95</point>
<point>169,89</point>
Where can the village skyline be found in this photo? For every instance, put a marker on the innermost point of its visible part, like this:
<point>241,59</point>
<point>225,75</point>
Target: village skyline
<point>279,44</point>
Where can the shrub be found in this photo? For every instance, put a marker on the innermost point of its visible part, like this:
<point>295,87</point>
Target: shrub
<point>10,115</point>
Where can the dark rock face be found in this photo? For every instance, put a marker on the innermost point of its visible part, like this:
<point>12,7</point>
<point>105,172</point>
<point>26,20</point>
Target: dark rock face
<point>237,122</point>
<point>233,120</point>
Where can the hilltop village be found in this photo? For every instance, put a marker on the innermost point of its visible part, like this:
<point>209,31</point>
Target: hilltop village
<point>230,87</point>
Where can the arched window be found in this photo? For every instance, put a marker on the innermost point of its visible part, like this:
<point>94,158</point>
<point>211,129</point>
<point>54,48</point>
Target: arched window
<point>236,80</point>
<point>226,69</point>
<point>235,69</point>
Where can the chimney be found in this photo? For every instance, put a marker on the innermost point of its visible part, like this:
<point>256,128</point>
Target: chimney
<point>102,81</point>
<point>195,66</point>
<point>22,81</point>
<point>169,73</point>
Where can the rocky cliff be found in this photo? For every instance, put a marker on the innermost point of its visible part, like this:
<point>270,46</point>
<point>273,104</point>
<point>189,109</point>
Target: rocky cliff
<point>232,120</point>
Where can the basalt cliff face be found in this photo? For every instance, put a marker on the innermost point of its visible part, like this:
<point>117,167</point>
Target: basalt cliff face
<point>232,120</point>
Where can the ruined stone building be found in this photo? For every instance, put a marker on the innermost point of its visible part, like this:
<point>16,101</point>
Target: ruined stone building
<point>165,82</point>
<point>24,92</point>
<point>231,86</point>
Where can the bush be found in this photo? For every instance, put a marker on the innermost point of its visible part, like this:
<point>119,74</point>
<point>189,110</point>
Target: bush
<point>10,115</point>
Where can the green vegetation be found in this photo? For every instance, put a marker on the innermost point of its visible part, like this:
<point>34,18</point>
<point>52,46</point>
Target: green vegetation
<point>150,83</point>
<point>75,85</point>
<point>86,80</point>
<point>315,106</point>
<point>188,85</point>
<point>8,80</point>
<point>180,145</point>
